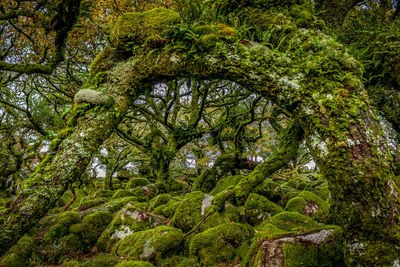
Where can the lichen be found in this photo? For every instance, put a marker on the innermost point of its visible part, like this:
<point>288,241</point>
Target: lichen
<point>93,97</point>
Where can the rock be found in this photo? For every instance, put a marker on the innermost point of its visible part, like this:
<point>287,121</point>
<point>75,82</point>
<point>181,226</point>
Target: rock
<point>307,203</point>
<point>188,213</point>
<point>130,219</point>
<point>134,264</point>
<point>220,244</point>
<point>122,193</point>
<point>150,244</point>
<point>93,225</point>
<point>19,254</point>
<point>259,208</point>
<point>320,248</point>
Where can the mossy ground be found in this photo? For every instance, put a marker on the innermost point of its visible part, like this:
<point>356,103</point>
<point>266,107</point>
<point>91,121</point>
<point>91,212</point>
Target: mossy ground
<point>123,227</point>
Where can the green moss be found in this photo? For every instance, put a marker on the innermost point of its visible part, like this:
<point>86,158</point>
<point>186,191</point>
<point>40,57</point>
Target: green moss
<point>220,244</point>
<point>71,242</point>
<point>93,225</point>
<point>135,182</point>
<point>228,215</point>
<point>259,208</point>
<point>204,29</point>
<point>159,200</point>
<point>314,202</point>
<point>100,260</point>
<point>188,213</point>
<point>226,182</point>
<point>122,193</point>
<point>130,219</point>
<point>61,228</point>
<point>319,247</point>
<point>138,28</point>
<point>19,254</point>
<point>271,190</point>
<point>167,210</point>
<point>101,62</point>
<point>142,193</point>
<point>149,244</point>
<point>296,204</point>
<point>292,221</point>
<point>134,264</point>
<point>86,204</point>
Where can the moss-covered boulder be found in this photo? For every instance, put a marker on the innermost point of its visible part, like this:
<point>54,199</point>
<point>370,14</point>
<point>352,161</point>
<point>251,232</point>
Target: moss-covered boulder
<point>191,210</point>
<point>271,190</point>
<point>87,204</point>
<point>293,239</point>
<point>220,244</point>
<point>230,214</point>
<point>145,193</point>
<point>308,203</point>
<point>168,209</point>
<point>150,244</point>
<point>93,225</point>
<point>258,208</point>
<point>19,254</point>
<point>130,219</point>
<point>122,193</point>
<point>111,205</point>
<point>322,247</point>
<point>134,264</point>
<point>226,182</point>
<point>99,260</point>
<point>61,228</point>
<point>143,28</point>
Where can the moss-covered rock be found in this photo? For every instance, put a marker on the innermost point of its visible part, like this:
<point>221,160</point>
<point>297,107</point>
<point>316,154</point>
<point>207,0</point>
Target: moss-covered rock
<point>143,28</point>
<point>135,182</point>
<point>99,260</point>
<point>226,182</point>
<point>145,193</point>
<point>307,203</point>
<point>220,244</point>
<point>271,190</point>
<point>93,225</point>
<point>291,222</point>
<point>111,205</point>
<point>159,200</point>
<point>259,208</point>
<point>130,219</point>
<point>61,228</point>
<point>230,214</point>
<point>134,264</point>
<point>19,254</point>
<point>150,244</point>
<point>191,210</point>
<point>322,247</point>
<point>168,209</point>
<point>87,204</point>
<point>122,193</point>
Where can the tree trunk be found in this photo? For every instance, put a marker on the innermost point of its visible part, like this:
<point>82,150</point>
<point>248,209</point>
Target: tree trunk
<point>53,176</point>
<point>350,149</point>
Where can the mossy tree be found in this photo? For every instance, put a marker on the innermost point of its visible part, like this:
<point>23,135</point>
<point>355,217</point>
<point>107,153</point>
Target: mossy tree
<point>299,68</point>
